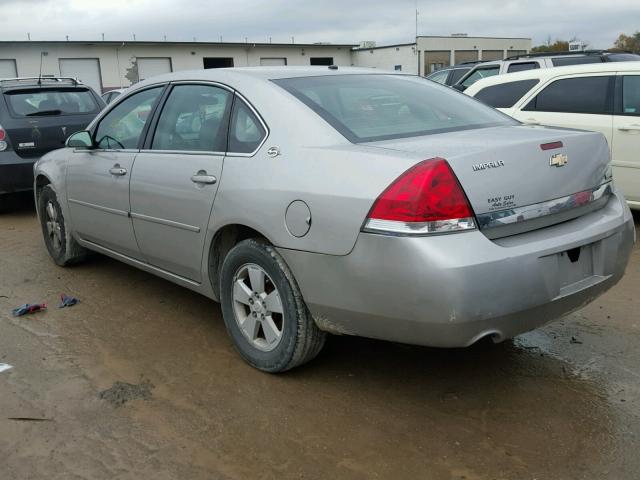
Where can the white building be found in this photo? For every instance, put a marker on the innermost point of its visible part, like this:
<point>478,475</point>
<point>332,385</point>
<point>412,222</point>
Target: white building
<point>431,53</point>
<point>109,65</point>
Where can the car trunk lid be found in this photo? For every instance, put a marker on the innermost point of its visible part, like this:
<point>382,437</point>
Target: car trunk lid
<point>520,178</point>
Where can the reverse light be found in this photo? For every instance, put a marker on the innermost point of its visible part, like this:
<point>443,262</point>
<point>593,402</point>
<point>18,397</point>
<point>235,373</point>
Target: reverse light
<point>425,199</point>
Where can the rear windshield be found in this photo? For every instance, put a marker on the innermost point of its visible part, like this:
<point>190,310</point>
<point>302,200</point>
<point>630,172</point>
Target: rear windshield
<point>41,102</point>
<point>366,108</point>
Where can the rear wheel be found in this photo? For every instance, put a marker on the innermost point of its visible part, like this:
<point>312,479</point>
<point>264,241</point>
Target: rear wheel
<point>263,309</point>
<point>62,247</point>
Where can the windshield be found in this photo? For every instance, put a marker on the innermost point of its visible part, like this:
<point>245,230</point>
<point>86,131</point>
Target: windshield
<point>366,108</point>
<point>41,102</point>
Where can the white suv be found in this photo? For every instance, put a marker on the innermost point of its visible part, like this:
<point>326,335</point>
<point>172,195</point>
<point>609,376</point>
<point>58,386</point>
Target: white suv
<point>601,97</point>
<point>535,61</point>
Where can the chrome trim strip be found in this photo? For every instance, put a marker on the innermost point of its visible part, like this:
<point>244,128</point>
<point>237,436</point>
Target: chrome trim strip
<point>135,262</point>
<point>115,211</point>
<point>162,221</point>
<point>529,217</point>
<point>183,152</point>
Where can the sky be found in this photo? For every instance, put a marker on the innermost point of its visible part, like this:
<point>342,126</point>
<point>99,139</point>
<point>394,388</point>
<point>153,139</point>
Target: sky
<point>337,21</point>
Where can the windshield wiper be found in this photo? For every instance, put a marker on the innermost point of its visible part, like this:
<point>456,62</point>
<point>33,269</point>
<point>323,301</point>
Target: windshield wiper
<point>44,112</point>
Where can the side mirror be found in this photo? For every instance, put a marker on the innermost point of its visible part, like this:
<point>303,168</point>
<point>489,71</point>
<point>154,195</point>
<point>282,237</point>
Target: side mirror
<point>459,87</point>
<point>80,140</point>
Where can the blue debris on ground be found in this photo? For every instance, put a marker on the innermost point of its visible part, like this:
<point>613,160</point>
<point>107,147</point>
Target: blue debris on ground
<point>67,301</point>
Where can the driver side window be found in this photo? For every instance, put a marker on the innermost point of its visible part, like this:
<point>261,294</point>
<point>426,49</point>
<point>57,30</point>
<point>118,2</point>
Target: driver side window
<point>121,127</point>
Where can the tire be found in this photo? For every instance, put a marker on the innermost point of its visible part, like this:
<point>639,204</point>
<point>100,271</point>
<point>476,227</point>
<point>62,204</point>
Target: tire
<point>62,247</point>
<point>253,321</point>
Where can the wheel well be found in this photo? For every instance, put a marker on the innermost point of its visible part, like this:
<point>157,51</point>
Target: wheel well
<point>41,182</point>
<point>224,240</point>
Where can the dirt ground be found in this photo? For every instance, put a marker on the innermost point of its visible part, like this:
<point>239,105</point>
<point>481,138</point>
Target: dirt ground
<point>140,381</point>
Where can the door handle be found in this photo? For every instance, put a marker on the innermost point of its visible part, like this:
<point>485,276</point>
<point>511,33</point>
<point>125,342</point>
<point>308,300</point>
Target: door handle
<point>531,121</point>
<point>117,170</point>
<point>633,126</point>
<point>202,177</point>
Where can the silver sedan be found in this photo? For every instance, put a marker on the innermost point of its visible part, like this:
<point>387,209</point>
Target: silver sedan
<point>315,200</point>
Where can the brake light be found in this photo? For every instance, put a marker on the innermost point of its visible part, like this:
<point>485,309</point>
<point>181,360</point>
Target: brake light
<point>3,136</point>
<point>427,198</point>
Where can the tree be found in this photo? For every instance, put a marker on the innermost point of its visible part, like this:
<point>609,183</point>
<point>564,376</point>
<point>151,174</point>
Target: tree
<point>629,43</point>
<point>557,46</point>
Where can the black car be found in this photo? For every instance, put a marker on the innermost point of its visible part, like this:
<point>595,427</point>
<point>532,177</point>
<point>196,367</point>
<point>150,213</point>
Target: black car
<point>450,75</point>
<point>36,116</point>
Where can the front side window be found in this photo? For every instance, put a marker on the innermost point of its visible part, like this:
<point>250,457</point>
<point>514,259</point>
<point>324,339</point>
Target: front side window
<point>631,95</point>
<point>522,66</point>
<point>245,132</point>
<point>575,95</point>
<point>366,108</point>
<point>457,74</point>
<point>481,73</point>
<point>121,127</point>
<point>505,95</point>
<point>43,102</point>
<point>194,118</point>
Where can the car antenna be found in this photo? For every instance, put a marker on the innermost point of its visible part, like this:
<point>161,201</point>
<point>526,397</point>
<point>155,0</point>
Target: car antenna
<point>40,74</point>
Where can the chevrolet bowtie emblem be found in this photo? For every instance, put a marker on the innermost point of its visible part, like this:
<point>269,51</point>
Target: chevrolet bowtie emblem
<point>558,160</point>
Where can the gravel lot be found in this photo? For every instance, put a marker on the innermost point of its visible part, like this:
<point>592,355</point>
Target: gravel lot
<point>140,381</point>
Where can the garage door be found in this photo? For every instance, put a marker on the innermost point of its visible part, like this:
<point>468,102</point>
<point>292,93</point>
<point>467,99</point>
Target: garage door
<point>273,62</point>
<point>87,70</point>
<point>150,67</point>
<point>8,69</point>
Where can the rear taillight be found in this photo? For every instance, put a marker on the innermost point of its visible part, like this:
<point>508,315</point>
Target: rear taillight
<point>3,139</point>
<point>427,198</point>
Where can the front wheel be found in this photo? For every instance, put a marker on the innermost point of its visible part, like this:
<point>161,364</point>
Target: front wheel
<point>263,309</point>
<point>62,247</point>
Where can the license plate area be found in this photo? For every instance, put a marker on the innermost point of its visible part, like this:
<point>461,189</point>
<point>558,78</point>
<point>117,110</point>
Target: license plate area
<point>574,265</point>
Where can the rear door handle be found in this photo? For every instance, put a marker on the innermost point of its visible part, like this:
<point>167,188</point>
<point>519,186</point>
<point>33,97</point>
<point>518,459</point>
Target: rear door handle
<point>117,170</point>
<point>202,177</point>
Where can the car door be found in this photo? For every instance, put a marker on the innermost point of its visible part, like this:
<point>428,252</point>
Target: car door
<point>626,136</point>
<point>98,178</point>
<point>176,176</point>
<point>584,102</point>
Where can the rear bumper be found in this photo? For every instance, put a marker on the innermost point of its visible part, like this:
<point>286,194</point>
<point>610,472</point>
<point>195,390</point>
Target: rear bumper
<point>16,173</point>
<point>451,290</point>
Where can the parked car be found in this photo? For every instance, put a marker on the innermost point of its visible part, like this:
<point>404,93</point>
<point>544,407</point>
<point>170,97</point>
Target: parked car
<point>534,61</point>
<point>450,75</point>
<point>111,95</point>
<point>601,97</point>
<point>36,116</point>
<point>341,200</point>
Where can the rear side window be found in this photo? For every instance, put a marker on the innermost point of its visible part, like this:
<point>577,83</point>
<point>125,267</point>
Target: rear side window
<point>481,73</point>
<point>522,66</point>
<point>43,102</point>
<point>577,60</point>
<point>366,108</point>
<point>439,77</point>
<point>245,132</point>
<point>505,95</point>
<point>631,95</point>
<point>575,95</point>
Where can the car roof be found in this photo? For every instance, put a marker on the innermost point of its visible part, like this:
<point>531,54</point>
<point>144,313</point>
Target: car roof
<point>546,73</point>
<point>261,73</point>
